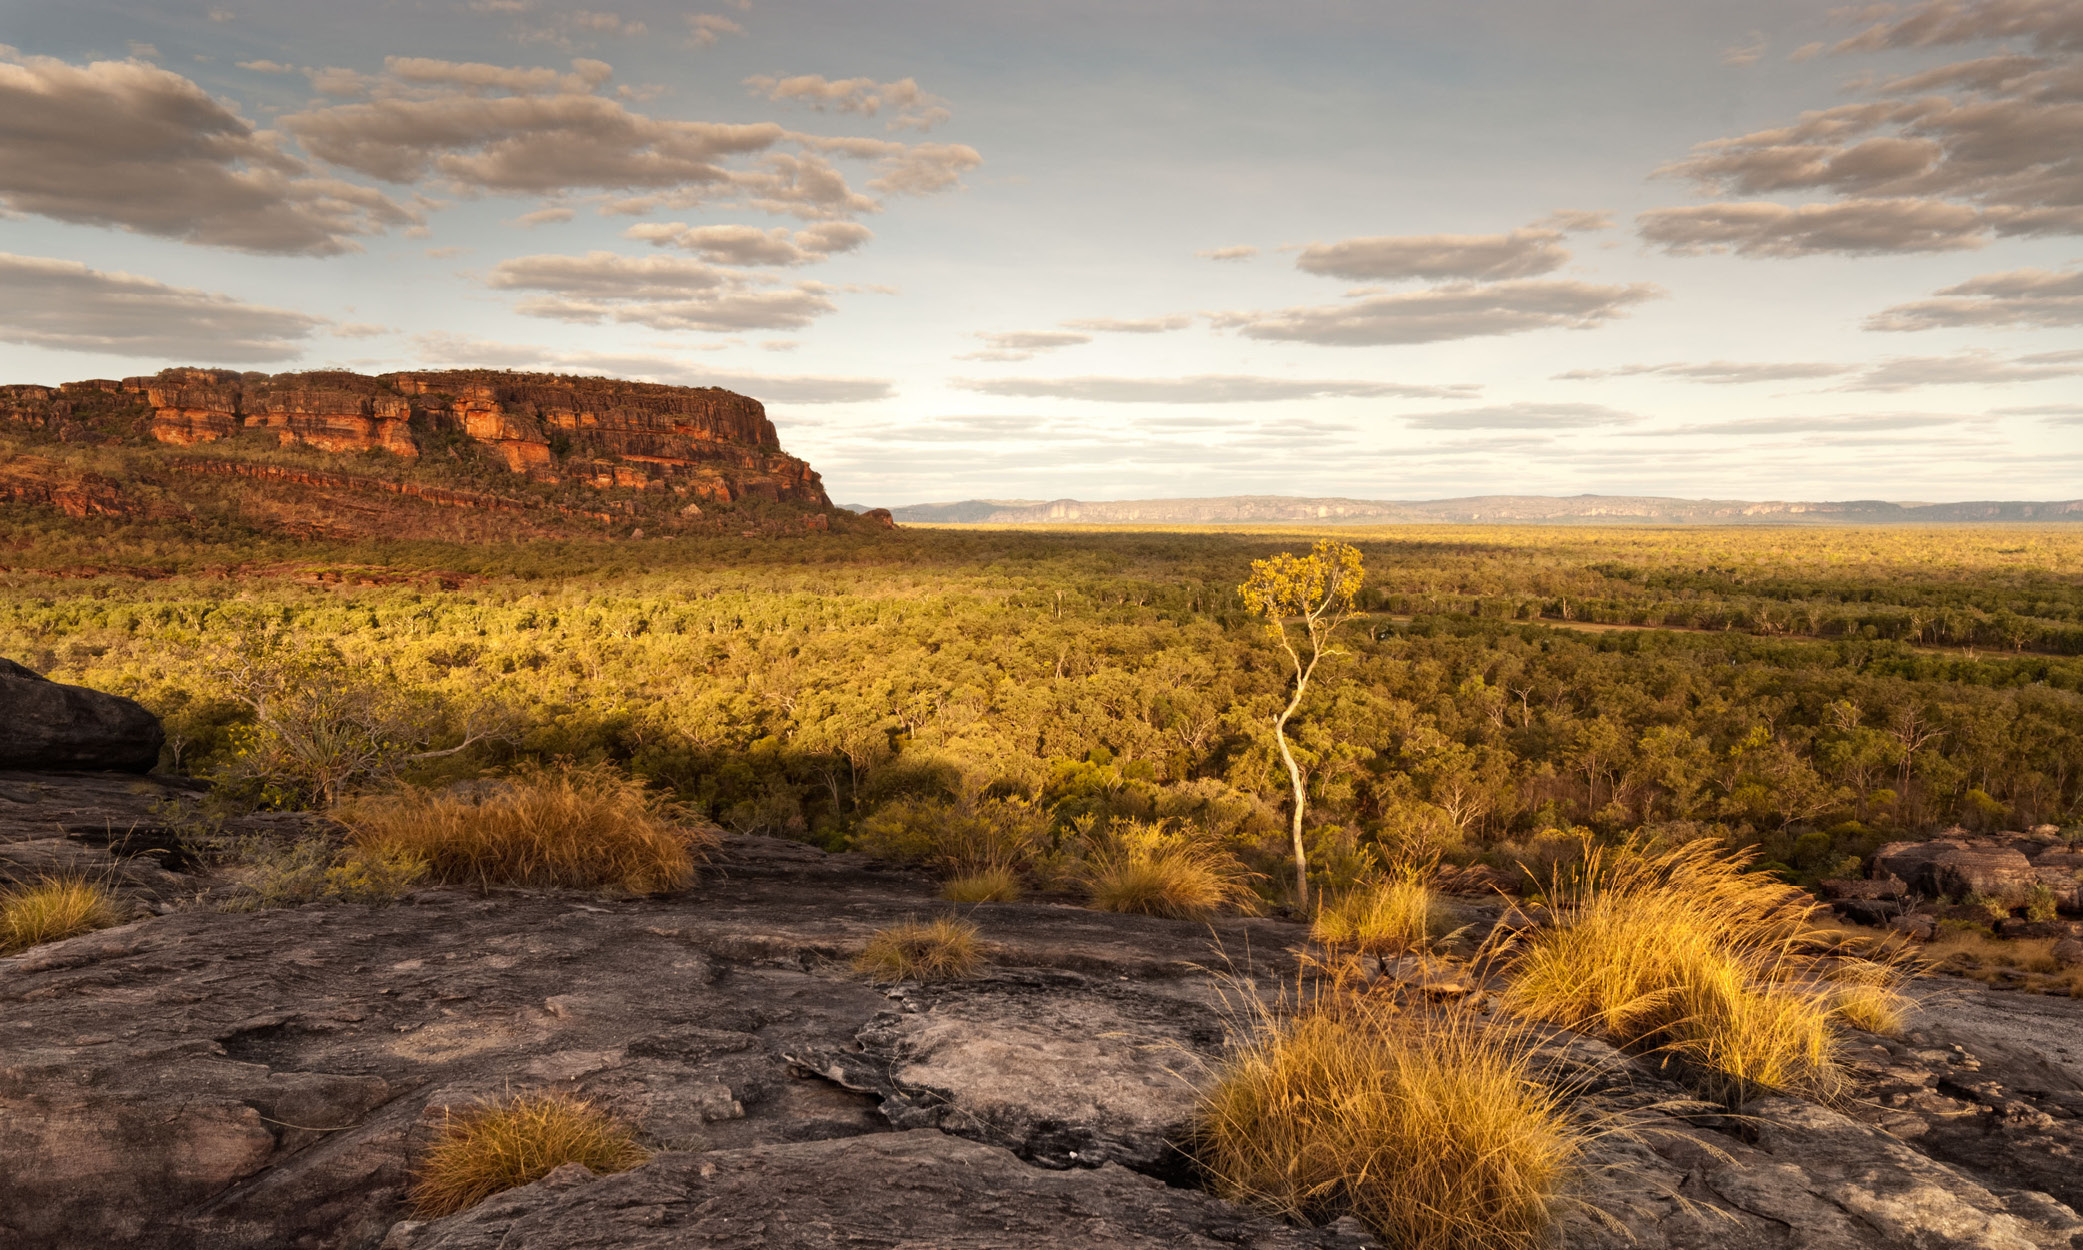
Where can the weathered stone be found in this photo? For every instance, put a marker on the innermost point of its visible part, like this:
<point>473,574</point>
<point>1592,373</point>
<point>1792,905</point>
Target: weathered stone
<point>1953,867</point>
<point>1873,911</point>
<point>1917,926</point>
<point>2068,952</point>
<point>45,725</point>
<point>1883,887</point>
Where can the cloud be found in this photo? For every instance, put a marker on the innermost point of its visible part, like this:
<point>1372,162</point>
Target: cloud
<point>663,292</point>
<point>2016,297</point>
<point>750,245</point>
<point>358,330</point>
<point>1523,253</point>
<point>1576,220</point>
<point>1749,52</point>
<point>1724,372</point>
<point>472,128</point>
<point>140,148</point>
<point>1239,251</point>
<point>267,67</point>
<point>1521,416</point>
<point>65,305</point>
<point>1129,325</point>
<point>1866,422</point>
<point>1853,227</point>
<point>1937,160</point>
<point>1207,388</point>
<point>1035,340</point>
<point>544,216</point>
<point>704,29</point>
<point>464,351</point>
<point>1977,368</point>
<point>913,107</point>
<point>1450,312</point>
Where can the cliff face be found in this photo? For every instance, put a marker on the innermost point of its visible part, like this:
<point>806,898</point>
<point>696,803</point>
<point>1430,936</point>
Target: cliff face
<point>702,443</point>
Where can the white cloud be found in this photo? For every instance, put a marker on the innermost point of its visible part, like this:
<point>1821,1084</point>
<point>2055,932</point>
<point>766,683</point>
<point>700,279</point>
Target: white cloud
<point>750,245</point>
<point>1852,227</point>
<point>1450,312</point>
<point>1521,416</point>
<point>663,292</point>
<point>545,216</point>
<point>140,148</point>
<point>1865,422</point>
<point>464,351</point>
<point>1749,52</point>
<point>1207,388</point>
<point>704,29</point>
<point>1523,253</point>
<point>2016,297</point>
<point>1724,372</point>
<point>65,305</point>
<point>912,106</point>
<point>1129,325</point>
<point>358,330</point>
<point>1972,368</point>
<point>1239,251</point>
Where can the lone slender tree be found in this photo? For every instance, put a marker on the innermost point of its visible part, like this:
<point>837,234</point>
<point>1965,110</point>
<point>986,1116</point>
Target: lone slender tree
<point>1314,594</point>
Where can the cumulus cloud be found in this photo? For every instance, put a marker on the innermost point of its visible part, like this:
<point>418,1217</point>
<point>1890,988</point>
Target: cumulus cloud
<point>663,292</point>
<point>544,216</point>
<point>1863,422</point>
<point>1523,253</point>
<point>1724,372</point>
<point>1940,159</point>
<point>1979,368</point>
<point>140,148</point>
<point>2016,297</point>
<point>750,245</point>
<point>1521,416</point>
<point>1035,340</point>
<point>1458,311</point>
<point>1207,388</point>
<point>1129,325</point>
<point>1238,251</point>
<point>1576,220</point>
<point>474,128</point>
<point>704,29</point>
<point>1853,227</point>
<point>65,305</point>
<point>1749,52</point>
<point>465,351</point>
<point>911,106</point>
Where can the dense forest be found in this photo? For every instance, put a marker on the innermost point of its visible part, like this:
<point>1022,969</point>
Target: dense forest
<point>1811,691</point>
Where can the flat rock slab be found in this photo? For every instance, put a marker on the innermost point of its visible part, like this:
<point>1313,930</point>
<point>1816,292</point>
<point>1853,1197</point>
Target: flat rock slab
<point>914,1189</point>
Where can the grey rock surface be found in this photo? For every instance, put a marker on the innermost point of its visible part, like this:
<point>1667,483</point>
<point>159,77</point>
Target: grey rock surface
<point>48,725</point>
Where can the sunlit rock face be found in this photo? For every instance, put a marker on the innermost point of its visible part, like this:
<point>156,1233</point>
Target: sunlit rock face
<point>698,441</point>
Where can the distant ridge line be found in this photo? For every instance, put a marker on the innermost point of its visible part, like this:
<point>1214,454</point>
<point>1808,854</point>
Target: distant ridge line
<point>1499,509</point>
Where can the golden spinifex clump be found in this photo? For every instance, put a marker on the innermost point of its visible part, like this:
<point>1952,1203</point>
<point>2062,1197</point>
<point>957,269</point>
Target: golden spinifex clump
<point>513,1142</point>
<point>51,909</point>
<point>566,826</point>
<point>942,949</point>
<point>1312,594</point>
<point>1431,1128</point>
<point>989,883</point>
<point>1684,954</point>
<point>1161,868</point>
<point>1390,914</point>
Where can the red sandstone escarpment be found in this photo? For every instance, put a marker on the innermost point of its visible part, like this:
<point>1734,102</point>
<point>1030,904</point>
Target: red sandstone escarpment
<point>700,442</point>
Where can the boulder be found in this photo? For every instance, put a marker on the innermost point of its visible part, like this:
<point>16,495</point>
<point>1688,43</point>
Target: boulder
<point>1952,867</point>
<point>46,726</point>
<point>2068,953</point>
<point>1884,887</point>
<point>1915,926</point>
<point>1873,911</point>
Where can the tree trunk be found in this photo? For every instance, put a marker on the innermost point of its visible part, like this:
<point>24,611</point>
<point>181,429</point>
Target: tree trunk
<point>1294,776</point>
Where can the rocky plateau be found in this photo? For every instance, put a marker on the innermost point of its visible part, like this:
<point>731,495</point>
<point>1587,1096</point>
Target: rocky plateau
<point>198,1078</point>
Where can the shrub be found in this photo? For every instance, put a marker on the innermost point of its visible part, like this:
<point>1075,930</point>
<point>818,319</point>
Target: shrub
<point>513,1142</point>
<point>572,827</point>
<point>1434,1131</point>
<point>945,949</point>
<point>313,870</point>
<point>1386,916</point>
<point>2040,903</point>
<point>51,909</point>
<point>1685,954</point>
<point>993,883</point>
<point>1157,869</point>
<point>955,838</point>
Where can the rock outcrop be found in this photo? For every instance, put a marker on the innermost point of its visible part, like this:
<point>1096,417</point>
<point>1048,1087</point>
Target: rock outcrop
<point>45,725</point>
<point>699,442</point>
<point>2004,868</point>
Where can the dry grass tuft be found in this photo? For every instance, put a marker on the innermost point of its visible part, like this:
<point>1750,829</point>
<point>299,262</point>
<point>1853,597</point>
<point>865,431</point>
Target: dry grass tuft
<point>1155,869</point>
<point>1432,1130</point>
<point>1390,916</point>
<point>51,909</point>
<point>583,828</point>
<point>514,1142</point>
<point>945,949</point>
<point>993,883</point>
<point>1683,953</point>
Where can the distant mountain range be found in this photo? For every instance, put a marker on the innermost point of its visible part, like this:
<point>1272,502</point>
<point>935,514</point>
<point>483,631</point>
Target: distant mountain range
<point>1599,509</point>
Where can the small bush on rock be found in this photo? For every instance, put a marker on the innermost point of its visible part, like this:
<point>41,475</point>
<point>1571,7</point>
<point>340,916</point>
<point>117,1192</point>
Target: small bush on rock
<point>314,870</point>
<point>993,883</point>
<point>945,949</point>
<point>1385,916</point>
<point>514,1142</point>
<point>1433,1131</point>
<point>1158,869</point>
<point>52,909</point>
<point>583,828</point>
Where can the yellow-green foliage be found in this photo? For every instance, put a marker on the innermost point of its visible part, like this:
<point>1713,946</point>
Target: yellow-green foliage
<point>571,827</point>
<point>1385,916</point>
<point>944,949</point>
<point>314,870</point>
<point>514,1142</point>
<point>1432,1130</point>
<point>1160,869</point>
<point>1683,953</point>
<point>50,909</point>
<point>993,883</point>
<point>955,838</point>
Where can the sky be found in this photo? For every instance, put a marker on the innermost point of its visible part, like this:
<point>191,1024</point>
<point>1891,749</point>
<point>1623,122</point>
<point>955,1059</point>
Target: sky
<point>1108,250</point>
